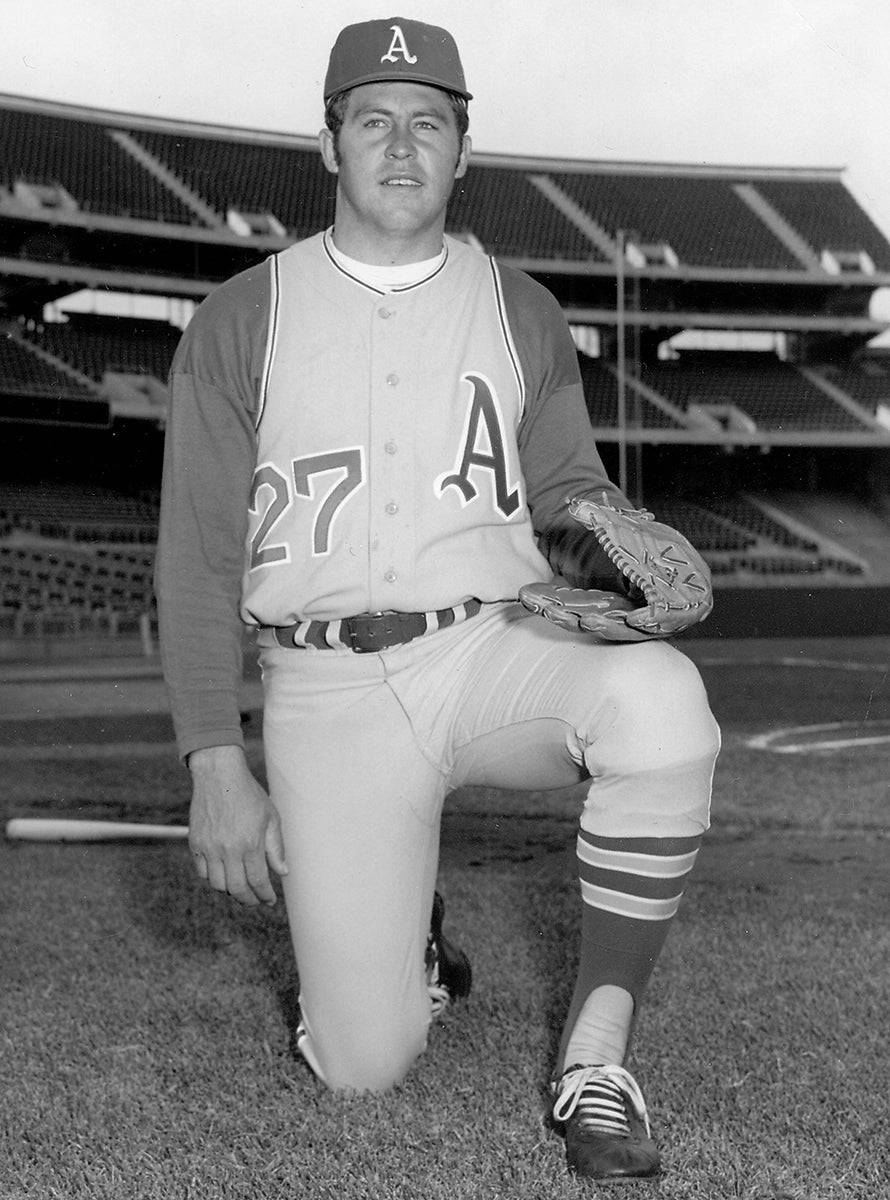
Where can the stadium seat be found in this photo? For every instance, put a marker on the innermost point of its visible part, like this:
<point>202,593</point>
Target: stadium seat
<point>84,159</point>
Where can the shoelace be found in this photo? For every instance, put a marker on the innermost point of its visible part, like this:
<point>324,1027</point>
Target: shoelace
<point>597,1095</point>
<point>440,997</point>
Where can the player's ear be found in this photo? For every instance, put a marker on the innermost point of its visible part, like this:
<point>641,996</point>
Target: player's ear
<point>463,159</point>
<point>329,155</point>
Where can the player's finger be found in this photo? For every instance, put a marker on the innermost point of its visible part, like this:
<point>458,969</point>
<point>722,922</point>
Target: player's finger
<point>237,882</point>
<point>257,878</point>
<point>200,864</point>
<point>216,872</point>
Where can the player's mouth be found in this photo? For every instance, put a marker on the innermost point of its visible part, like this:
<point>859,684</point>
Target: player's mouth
<point>401,181</point>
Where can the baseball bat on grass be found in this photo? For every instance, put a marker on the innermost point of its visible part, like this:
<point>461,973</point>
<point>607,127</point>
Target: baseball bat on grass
<point>62,829</point>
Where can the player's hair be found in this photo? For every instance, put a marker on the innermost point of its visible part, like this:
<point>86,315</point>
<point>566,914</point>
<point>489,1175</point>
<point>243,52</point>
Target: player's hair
<point>335,111</point>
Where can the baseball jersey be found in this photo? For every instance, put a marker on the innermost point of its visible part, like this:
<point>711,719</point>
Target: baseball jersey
<point>334,449</point>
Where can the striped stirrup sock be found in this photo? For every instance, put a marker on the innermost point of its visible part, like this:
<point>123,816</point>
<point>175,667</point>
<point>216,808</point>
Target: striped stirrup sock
<point>641,878</point>
<point>631,888</point>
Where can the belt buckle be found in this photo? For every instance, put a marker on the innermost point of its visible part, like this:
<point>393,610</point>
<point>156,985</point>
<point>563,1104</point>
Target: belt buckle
<point>363,633</point>
<point>370,632</point>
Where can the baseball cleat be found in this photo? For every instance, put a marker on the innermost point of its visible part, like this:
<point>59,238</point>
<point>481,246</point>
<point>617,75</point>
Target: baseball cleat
<point>606,1124</point>
<point>449,975</point>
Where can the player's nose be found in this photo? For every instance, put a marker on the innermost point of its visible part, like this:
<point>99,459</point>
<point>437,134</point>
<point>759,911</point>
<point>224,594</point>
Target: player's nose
<point>401,143</point>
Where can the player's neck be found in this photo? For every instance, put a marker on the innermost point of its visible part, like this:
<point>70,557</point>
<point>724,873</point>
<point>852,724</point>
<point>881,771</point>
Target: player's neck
<point>386,278</point>
<point>382,249</point>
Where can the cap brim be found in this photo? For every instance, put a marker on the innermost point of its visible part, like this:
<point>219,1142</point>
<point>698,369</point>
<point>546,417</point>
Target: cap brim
<point>397,77</point>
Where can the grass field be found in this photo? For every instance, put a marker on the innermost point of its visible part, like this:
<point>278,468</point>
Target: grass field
<point>146,1024</point>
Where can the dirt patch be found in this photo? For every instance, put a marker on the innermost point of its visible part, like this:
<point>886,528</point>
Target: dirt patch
<point>836,865</point>
<point>103,730</point>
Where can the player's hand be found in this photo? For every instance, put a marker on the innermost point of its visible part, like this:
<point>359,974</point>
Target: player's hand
<point>234,830</point>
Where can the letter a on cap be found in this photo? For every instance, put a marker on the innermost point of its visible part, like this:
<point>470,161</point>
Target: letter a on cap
<point>432,58</point>
<point>398,45</point>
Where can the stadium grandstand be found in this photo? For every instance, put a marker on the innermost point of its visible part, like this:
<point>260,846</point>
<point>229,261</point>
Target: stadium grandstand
<point>724,318</point>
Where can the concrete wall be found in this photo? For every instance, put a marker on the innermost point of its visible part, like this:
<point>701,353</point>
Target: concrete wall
<point>797,612</point>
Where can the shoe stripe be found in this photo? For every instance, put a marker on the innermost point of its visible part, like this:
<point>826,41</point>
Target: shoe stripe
<point>580,1085</point>
<point>598,1105</point>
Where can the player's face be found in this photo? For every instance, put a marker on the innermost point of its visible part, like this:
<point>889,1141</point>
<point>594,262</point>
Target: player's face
<point>397,157</point>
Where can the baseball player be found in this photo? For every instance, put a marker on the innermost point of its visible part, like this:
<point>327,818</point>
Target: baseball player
<point>373,440</point>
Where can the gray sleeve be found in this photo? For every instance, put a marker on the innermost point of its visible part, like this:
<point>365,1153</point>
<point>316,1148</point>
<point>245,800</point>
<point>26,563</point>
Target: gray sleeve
<point>208,466</point>
<point>209,459</point>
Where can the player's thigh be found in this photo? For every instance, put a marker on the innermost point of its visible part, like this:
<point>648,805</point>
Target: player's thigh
<point>544,702</point>
<point>359,807</point>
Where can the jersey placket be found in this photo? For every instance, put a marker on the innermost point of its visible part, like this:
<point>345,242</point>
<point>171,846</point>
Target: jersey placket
<point>391,461</point>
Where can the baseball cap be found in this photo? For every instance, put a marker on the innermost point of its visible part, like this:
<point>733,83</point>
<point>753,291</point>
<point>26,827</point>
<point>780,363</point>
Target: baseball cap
<point>394,48</point>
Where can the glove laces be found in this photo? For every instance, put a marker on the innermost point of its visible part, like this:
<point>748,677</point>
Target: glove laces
<point>596,1096</point>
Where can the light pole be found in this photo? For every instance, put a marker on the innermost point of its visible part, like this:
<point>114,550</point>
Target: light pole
<point>621,359</point>
<point>626,479</point>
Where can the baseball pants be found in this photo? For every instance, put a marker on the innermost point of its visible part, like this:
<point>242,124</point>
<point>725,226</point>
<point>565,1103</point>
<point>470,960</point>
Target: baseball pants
<point>363,749</point>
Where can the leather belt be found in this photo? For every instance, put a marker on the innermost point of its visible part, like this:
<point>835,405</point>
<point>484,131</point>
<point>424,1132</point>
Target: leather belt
<point>367,633</point>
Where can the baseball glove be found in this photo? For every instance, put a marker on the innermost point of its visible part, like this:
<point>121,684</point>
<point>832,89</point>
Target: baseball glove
<point>668,581</point>
<point>597,612</point>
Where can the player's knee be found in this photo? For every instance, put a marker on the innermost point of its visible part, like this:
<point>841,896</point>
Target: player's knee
<point>372,1072</point>
<point>680,688</point>
<point>652,759</point>
<point>365,1058</point>
<point>661,707</point>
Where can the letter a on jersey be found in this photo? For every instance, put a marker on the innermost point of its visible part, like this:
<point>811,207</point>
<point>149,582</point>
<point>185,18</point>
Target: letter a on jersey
<point>398,46</point>
<point>483,420</point>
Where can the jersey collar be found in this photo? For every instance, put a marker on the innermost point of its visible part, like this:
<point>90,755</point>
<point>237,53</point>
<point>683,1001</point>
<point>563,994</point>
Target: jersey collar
<point>385,280</point>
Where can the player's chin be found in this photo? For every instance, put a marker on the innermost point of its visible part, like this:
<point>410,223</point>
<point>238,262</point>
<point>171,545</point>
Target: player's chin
<point>407,214</point>
<point>430,197</point>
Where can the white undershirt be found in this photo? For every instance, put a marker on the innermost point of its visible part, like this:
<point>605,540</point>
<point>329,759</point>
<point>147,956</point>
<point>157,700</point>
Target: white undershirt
<point>385,279</point>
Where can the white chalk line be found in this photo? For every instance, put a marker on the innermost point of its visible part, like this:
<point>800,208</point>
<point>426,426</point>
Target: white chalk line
<point>817,739</point>
<point>772,741</point>
<point>810,663</point>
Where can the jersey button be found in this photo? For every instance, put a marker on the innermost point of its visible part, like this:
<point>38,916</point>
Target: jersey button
<point>391,448</point>
<point>392,508</point>
<point>385,313</point>
<point>390,576</point>
<point>392,380</point>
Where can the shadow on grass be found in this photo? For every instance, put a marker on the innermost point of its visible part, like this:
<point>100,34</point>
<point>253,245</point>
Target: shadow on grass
<point>165,898</point>
<point>484,831</point>
<point>527,841</point>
